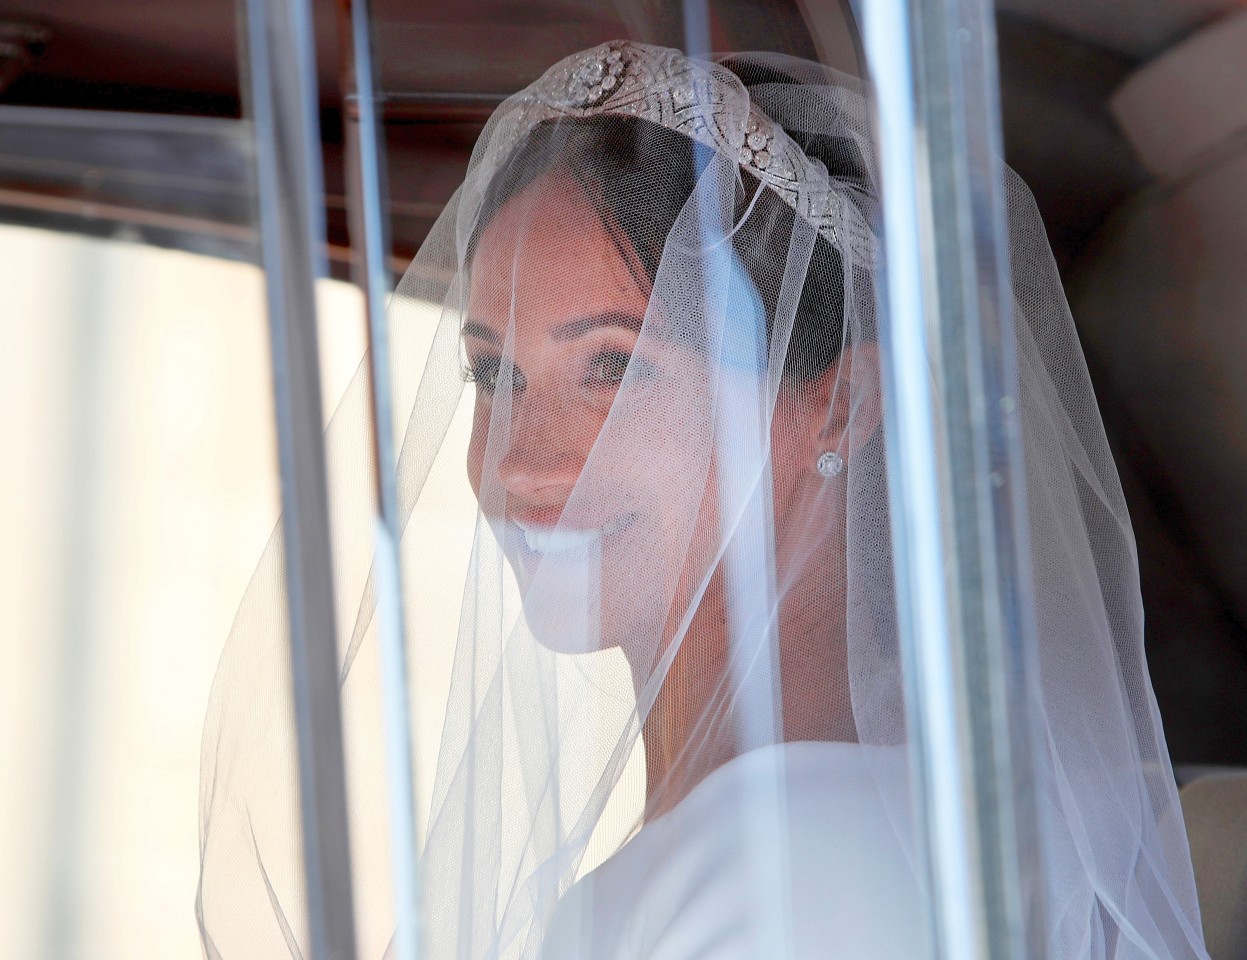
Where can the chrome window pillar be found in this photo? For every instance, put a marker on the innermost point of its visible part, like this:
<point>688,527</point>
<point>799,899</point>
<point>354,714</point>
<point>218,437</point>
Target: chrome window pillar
<point>955,468</point>
<point>368,196</point>
<point>282,104</point>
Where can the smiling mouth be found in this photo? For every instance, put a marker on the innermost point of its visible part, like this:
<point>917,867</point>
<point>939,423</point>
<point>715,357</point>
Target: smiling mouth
<point>555,541</point>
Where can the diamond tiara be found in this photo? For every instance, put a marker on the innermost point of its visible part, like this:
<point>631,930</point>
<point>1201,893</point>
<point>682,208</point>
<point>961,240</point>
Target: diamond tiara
<point>688,96</point>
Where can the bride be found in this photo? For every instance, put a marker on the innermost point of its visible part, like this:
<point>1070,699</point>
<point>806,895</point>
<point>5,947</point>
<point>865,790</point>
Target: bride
<point>674,726</point>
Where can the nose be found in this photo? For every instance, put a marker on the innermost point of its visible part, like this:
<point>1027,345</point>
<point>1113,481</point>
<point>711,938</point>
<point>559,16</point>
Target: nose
<point>544,455</point>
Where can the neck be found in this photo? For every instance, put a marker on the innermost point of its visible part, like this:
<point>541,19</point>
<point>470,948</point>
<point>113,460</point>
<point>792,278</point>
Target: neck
<point>692,728</point>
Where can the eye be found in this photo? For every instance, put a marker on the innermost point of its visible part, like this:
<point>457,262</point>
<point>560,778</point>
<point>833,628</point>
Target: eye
<point>485,371</point>
<point>608,368</point>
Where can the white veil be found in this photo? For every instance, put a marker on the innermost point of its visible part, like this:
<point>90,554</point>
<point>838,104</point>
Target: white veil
<point>658,281</point>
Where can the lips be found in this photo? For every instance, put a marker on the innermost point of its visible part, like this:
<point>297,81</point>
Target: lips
<point>557,540</point>
<point>562,540</point>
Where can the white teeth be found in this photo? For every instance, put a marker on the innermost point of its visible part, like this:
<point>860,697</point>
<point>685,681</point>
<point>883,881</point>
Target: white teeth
<point>558,539</point>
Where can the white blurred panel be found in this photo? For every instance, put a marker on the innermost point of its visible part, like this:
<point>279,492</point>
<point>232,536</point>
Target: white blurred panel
<point>138,490</point>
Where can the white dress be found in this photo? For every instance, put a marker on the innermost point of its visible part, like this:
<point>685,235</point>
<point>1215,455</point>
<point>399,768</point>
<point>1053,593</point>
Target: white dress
<point>723,877</point>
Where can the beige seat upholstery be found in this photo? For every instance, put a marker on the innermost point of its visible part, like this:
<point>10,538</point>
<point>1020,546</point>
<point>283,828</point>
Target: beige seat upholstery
<point>1215,809</point>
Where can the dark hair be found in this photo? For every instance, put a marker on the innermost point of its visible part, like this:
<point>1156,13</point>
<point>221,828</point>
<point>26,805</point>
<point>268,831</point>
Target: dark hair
<point>625,164</point>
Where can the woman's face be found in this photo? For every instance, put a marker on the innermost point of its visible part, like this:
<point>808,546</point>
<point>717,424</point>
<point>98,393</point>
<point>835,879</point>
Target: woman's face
<point>591,449</point>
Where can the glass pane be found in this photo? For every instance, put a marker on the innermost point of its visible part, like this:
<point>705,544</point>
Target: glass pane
<point>653,550</point>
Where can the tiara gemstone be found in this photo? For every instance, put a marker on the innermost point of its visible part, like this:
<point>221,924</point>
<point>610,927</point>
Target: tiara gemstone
<point>595,77</point>
<point>756,152</point>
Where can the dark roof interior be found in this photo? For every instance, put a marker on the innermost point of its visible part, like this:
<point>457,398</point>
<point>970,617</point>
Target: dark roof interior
<point>444,66</point>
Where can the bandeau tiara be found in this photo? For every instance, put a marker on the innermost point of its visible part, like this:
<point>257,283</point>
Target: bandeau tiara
<point>687,96</point>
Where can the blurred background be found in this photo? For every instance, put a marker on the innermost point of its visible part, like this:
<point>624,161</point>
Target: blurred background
<point>139,481</point>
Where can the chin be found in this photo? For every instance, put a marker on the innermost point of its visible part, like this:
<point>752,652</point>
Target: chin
<point>570,621</point>
<point>553,634</point>
<point>586,600</point>
<point>562,604</point>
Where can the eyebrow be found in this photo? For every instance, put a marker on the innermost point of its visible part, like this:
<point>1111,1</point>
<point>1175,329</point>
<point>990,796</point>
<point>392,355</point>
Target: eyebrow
<point>611,318</point>
<point>566,331</point>
<point>480,331</point>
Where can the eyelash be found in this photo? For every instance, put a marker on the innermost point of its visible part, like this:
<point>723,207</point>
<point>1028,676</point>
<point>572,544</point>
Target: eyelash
<point>611,364</point>
<point>484,371</point>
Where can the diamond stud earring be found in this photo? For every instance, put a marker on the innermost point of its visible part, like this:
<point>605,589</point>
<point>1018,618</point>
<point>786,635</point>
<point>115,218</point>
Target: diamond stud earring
<point>830,464</point>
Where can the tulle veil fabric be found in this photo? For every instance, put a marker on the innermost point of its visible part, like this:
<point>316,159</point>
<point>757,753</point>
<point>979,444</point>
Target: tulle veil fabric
<point>637,583</point>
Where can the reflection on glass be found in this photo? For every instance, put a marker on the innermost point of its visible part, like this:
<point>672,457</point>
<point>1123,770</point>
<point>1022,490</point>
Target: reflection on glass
<point>655,308</point>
